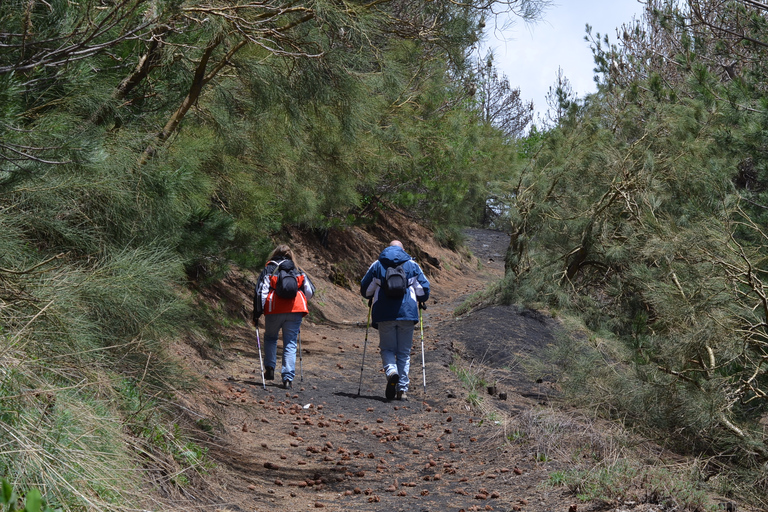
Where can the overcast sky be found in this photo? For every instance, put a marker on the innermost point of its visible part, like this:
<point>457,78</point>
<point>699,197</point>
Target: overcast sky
<point>530,54</point>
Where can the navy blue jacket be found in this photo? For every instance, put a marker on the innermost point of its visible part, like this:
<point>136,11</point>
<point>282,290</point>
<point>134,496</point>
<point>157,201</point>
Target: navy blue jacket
<point>387,308</point>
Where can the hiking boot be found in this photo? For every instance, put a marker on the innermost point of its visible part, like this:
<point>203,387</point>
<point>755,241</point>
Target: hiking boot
<point>269,373</point>
<point>401,396</point>
<point>287,384</point>
<point>391,390</point>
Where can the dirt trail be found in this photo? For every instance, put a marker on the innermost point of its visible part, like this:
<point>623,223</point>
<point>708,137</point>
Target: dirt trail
<point>321,445</point>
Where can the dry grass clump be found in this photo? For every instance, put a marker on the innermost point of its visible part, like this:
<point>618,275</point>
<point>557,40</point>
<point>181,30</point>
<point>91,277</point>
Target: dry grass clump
<point>65,440</point>
<point>548,434</point>
<point>603,462</point>
<point>80,344</point>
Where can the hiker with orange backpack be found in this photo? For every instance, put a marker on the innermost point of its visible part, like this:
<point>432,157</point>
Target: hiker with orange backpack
<point>281,295</point>
<point>397,289</point>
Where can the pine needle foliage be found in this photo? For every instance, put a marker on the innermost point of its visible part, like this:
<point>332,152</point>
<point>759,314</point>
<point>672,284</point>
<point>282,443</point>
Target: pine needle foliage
<point>641,212</point>
<point>146,146</point>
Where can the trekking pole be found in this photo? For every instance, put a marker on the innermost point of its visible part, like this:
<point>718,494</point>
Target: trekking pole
<point>258,344</point>
<point>360,385</point>
<point>423,364</point>
<point>301,368</point>
<point>261,362</point>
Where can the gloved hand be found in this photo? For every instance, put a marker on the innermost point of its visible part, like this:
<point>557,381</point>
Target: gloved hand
<point>423,305</point>
<point>256,321</point>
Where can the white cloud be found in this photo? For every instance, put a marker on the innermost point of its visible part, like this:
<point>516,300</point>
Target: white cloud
<point>530,54</point>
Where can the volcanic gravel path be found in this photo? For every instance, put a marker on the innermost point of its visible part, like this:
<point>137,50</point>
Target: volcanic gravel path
<point>322,445</point>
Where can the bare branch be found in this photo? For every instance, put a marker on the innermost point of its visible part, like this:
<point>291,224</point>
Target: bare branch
<point>25,154</point>
<point>80,43</point>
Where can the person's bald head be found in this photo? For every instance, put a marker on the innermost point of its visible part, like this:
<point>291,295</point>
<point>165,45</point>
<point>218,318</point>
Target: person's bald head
<point>396,243</point>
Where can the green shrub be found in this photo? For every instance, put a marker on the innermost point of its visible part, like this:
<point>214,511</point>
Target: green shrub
<point>33,500</point>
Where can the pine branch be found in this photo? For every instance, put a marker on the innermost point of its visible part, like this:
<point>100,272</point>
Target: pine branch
<point>26,154</point>
<point>79,44</point>
<point>34,267</point>
<point>198,82</point>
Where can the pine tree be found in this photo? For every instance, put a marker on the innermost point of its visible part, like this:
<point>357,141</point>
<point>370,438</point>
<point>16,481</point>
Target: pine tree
<point>642,212</point>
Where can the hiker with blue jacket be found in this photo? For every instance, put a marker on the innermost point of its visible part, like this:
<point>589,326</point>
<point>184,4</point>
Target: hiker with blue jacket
<point>281,295</point>
<point>396,288</point>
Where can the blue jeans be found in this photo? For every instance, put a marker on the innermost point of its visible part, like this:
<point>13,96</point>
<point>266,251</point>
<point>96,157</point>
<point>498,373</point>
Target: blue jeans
<point>290,323</point>
<point>395,341</point>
